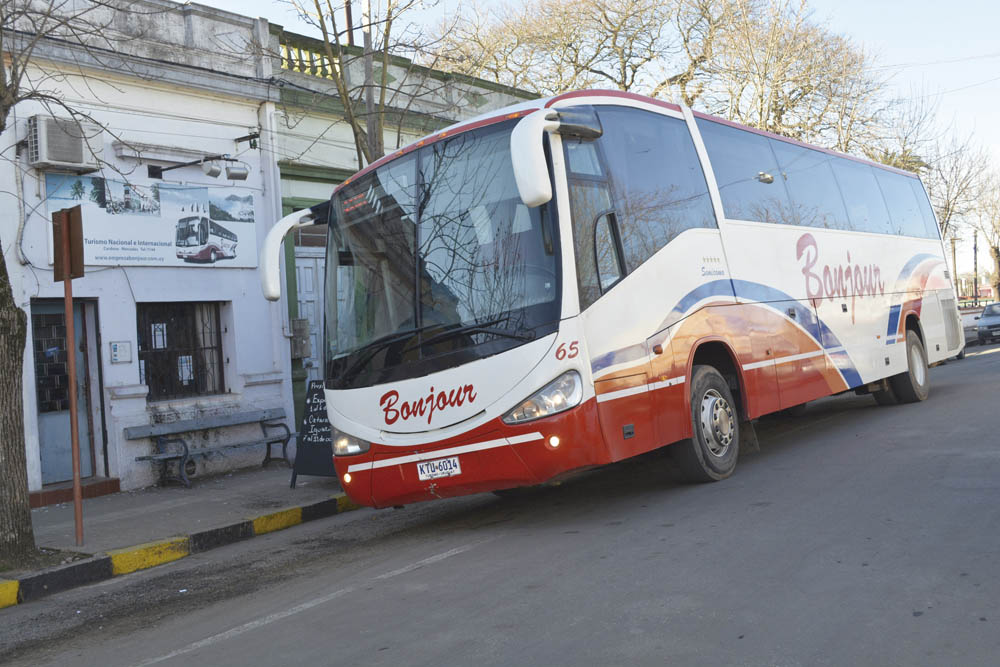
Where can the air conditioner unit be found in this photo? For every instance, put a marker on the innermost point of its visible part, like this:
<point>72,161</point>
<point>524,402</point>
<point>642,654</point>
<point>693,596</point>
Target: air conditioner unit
<point>64,144</point>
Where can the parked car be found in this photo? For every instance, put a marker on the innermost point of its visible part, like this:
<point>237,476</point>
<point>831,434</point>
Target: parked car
<point>988,324</point>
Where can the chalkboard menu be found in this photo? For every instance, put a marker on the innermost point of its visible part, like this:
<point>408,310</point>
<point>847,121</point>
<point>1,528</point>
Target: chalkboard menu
<point>314,446</point>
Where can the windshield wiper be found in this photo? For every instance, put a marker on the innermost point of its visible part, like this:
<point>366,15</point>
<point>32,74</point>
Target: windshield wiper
<point>373,348</point>
<point>479,328</point>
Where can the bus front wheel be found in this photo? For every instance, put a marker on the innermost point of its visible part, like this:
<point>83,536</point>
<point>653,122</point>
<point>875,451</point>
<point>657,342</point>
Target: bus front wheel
<point>913,384</point>
<point>710,455</point>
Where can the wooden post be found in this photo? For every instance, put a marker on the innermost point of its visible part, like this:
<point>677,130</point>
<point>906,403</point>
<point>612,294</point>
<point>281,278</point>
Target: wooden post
<point>66,270</point>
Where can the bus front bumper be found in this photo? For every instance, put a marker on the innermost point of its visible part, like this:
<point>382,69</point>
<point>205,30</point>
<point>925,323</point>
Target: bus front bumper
<point>491,457</point>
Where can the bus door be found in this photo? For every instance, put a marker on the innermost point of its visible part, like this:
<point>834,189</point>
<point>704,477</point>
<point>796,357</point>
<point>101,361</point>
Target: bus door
<point>615,341</point>
<point>620,362</point>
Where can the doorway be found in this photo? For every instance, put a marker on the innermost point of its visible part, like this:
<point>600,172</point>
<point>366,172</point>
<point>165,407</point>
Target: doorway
<point>48,332</point>
<point>309,268</point>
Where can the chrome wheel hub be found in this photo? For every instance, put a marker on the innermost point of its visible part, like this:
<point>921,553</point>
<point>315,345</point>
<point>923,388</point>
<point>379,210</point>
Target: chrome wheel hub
<point>917,365</point>
<point>718,423</point>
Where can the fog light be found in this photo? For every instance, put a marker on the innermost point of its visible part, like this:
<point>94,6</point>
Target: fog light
<point>553,441</point>
<point>347,478</point>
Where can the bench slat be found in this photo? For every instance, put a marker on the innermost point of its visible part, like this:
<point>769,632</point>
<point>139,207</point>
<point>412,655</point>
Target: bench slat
<point>201,424</point>
<point>204,451</point>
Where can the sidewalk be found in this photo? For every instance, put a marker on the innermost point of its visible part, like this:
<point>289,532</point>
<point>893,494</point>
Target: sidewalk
<point>133,530</point>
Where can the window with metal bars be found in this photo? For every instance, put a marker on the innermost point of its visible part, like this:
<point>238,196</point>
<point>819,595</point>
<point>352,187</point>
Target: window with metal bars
<point>180,349</point>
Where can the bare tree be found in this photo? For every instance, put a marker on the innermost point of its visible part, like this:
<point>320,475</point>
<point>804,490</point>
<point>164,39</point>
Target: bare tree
<point>25,26</point>
<point>907,133</point>
<point>954,178</point>
<point>386,81</point>
<point>776,69</point>
<point>987,220</point>
<point>764,63</point>
<point>552,46</point>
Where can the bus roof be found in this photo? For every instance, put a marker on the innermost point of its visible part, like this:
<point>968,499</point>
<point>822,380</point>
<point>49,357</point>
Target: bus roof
<point>589,96</point>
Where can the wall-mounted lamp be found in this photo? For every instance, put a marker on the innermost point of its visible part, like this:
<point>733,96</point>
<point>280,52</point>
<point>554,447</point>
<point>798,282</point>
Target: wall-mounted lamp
<point>211,169</point>
<point>237,172</point>
<point>210,165</point>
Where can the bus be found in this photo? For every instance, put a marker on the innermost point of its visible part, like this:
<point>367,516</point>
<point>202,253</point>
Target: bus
<point>581,279</point>
<point>202,240</point>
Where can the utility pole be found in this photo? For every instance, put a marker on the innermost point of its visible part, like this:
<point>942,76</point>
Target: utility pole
<point>350,23</point>
<point>975,267</point>
<point>371,125</point>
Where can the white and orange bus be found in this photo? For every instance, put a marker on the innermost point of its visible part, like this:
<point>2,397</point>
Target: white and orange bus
<point>581,279</point>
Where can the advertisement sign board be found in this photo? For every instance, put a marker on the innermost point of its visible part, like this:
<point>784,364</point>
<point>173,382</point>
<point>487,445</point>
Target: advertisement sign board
<point>128,224</point>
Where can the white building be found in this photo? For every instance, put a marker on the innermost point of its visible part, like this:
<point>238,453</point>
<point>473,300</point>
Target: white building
<point>170,322</point>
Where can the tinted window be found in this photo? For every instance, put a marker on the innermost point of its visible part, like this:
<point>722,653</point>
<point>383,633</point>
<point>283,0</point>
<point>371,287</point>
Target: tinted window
<point>931,230</point>
<point>747,173</point>
<point>582,158</point>
<point>812,189</point>
<point>904,212</point>
<point>587,199</point>
<point>608,266</point>
<point>658,185</point>
<point>866,211</point>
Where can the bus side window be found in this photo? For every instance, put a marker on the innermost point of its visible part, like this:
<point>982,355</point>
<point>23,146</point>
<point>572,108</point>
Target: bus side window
<point>747,173</point>
<point>658,185</point>
<point>587,198</point>
<point>609,267</point>
<point>903,209</point>
<point>581,157</point>
<point>812,188</point>
<point>931,229</point>
<point>865,206</point>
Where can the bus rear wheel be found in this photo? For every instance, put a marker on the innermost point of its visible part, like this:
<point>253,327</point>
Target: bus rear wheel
<point>913,384</point>
<point>885,397</point>
<point>711,453</point>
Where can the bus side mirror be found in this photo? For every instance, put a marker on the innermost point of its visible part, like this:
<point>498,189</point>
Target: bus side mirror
<point>270,253</point>
<point>527,155</point>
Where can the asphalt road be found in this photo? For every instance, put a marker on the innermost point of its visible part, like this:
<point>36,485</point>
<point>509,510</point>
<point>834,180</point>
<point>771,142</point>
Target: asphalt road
<point>859,535</point>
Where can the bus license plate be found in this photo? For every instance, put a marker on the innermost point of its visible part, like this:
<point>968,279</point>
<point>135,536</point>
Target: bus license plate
<point>448,467</point>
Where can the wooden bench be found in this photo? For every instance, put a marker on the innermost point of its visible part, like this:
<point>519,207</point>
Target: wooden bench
<point>170,447</point>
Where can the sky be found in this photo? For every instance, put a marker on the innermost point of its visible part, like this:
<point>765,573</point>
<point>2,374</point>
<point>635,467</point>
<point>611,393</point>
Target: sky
<point>950,50</point>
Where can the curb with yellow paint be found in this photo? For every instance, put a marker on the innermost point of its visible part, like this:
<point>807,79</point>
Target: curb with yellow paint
<point>345,504</point>
<point>269,523</point>
<point>8,592</point>
<point>160,552</point>
<point>148,555</point>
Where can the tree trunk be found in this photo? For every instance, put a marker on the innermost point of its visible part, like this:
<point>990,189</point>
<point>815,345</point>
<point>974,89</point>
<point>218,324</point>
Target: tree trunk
<point>17,538</point>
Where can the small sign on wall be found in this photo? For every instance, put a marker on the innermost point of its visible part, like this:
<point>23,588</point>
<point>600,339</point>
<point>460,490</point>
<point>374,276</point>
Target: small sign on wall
<point>121,352</point>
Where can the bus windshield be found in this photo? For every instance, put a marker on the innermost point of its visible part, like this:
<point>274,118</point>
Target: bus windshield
<point>434,261</point>
<point>188,232</point>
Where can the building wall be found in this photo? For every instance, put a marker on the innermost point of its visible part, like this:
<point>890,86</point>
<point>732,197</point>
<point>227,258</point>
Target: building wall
<point>171,124</point>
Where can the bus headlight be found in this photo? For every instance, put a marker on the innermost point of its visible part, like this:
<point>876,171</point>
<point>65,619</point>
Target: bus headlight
<point>563,393</point>
<point>348,445</point>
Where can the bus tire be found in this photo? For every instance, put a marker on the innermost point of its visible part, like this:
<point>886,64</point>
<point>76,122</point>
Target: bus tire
<point>912,385</point>
<point>710,454</point>
<point>885,397</point>
<point>212,257</point>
